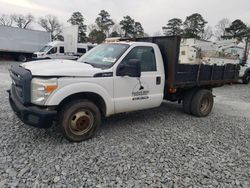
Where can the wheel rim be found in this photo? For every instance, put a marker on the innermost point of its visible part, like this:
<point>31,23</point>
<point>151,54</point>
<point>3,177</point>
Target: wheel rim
<point>205,105</point>
<point>81,122</point>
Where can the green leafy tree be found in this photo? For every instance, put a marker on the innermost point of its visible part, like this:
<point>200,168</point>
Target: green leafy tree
<point>127,25</point>
<point>131,28</point>
<point>96,36</point>
<point>78,19</point>
<point>194,26</point>
<point>173,27</point>
<point>138,30</point>
<point>240,31</point>
<point>51,24</point>
<point>237,29</point>
<point>104,22</point>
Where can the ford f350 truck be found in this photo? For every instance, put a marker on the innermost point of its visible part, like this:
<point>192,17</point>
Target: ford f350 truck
<point>110,79</point>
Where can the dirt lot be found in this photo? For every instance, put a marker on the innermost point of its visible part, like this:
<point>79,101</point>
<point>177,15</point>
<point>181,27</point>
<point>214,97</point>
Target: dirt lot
<point>161,147</point>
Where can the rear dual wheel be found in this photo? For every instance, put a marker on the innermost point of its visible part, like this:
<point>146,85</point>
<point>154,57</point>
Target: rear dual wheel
<point>198,102</point>
<point>187,100</point>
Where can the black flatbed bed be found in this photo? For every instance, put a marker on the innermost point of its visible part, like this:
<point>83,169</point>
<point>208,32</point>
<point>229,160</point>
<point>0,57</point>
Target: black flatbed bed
<point>190,75</point>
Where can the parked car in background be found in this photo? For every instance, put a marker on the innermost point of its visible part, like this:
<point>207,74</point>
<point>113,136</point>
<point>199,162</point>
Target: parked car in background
<point>21,43</point>
<point>56,50</point>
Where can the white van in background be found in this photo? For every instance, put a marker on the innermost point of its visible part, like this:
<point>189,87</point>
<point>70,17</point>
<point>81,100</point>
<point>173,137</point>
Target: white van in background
<point>55,50</point>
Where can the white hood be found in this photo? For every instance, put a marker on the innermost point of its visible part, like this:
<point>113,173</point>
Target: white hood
<point>60,68</point>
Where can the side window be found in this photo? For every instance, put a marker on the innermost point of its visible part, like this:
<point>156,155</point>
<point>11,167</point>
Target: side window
<point>61,50</point>
<point>53,51</point>
<point>81,50</point>
<point>146,56</point>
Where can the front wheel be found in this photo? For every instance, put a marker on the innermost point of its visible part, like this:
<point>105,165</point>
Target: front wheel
<point>246,79</point>
<point>79,120</point>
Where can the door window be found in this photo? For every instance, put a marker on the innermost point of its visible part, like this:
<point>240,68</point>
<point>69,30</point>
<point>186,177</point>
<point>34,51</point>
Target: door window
<point>53,51</point>
<point>61,50</point>
<point>81,50</point>
<point>145,55</point>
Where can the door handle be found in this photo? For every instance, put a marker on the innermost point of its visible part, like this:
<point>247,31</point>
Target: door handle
<point>158,80</point>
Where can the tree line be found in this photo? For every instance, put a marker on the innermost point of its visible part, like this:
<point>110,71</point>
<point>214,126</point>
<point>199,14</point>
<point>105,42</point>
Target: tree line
<point>194,26</point>
<point>103,27</point>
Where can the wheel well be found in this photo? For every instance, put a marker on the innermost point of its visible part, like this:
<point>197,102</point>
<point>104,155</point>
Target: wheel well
<point>93,97</point>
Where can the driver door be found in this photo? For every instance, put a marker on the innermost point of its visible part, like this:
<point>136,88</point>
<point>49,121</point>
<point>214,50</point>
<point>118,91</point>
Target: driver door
<point>131,94</point>
<point>52,53</point>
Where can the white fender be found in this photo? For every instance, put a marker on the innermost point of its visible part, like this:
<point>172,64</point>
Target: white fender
<point>68,90</point>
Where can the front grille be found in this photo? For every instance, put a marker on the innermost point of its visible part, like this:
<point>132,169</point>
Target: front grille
<point>21,81</point>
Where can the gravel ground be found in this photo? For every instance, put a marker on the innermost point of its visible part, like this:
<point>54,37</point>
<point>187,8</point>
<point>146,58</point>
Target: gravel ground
<point>161,147</point>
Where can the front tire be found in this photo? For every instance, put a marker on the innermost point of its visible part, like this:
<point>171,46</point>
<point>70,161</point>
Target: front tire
<point>79,120</point>
<point>202,103</point>
<point>246,79</point>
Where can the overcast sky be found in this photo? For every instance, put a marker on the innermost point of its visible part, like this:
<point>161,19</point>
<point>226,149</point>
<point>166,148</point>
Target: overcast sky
<point>153,14</point>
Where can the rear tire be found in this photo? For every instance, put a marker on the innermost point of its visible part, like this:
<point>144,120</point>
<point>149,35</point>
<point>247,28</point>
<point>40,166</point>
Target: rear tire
<point>246,79</point>
<point>202,103</point>
<point>79,120</point>
<point>187,101</point>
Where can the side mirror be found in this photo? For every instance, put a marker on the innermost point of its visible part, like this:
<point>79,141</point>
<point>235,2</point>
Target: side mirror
<point>131,69</point>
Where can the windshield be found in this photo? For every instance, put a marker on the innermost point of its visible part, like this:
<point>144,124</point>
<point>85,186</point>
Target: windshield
<point>104,55</point>
<point>45,48</point>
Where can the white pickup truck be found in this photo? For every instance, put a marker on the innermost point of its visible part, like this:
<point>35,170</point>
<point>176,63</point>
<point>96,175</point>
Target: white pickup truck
<point>110,79</point>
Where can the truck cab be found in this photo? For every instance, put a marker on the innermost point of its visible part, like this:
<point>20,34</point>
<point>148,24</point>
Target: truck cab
<point>111,75</point>
<point>56,50</point>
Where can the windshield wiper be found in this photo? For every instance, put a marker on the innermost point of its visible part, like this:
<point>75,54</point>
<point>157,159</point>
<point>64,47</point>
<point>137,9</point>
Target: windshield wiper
<point>89,64</point>
<point>97,65</point>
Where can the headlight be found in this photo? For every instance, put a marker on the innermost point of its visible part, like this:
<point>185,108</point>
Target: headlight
<point>41,89</point>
